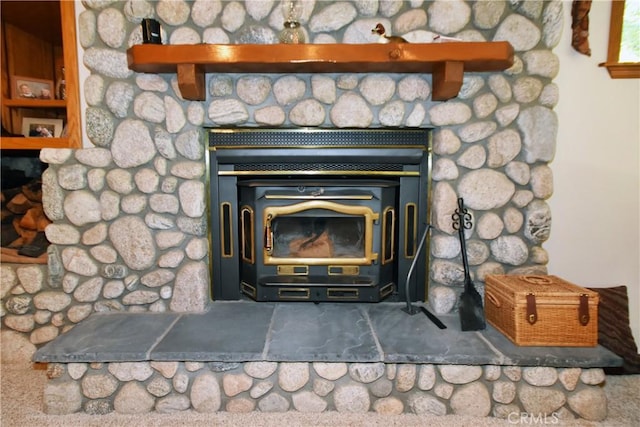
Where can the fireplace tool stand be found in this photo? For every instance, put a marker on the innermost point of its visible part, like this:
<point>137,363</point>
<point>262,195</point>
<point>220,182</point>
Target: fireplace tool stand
<point>411,309</point>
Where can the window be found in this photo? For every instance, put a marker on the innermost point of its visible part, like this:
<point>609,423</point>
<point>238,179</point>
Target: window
<point>623,59</point>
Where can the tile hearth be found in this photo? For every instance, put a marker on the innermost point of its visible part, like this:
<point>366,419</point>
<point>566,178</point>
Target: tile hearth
<point>242,331</point>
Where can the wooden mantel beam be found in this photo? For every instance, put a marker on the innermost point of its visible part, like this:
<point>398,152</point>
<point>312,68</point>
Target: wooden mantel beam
<point>447,61</point>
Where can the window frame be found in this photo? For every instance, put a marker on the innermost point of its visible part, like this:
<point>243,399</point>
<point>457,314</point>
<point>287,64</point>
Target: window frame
<point>617,69</point>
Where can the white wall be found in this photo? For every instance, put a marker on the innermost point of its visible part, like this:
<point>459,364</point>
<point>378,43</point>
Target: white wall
<point>595,231</point>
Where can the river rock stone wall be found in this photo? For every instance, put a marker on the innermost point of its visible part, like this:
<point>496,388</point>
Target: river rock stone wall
<point>507,392</point>
<point>32,314</point>
<point>129,228</point>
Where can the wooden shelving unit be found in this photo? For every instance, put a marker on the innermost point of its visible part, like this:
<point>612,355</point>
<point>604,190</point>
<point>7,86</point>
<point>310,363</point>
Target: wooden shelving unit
<point>71,105</point>
<point>447,62</point>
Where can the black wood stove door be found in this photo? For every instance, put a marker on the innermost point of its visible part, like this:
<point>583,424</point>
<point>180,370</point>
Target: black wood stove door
<point>326,240</point>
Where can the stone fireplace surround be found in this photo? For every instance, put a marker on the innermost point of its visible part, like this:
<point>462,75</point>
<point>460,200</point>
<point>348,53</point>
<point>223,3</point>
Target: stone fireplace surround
<point>130,230</point>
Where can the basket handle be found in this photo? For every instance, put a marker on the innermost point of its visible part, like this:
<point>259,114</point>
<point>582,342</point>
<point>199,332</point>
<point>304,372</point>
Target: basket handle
<point>537,280</point>
<point>495,301</point>
<point>583,310</point>
<point>532,312</point>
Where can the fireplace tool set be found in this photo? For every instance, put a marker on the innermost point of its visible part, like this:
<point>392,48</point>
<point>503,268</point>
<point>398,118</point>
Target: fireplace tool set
<point>470,308</point>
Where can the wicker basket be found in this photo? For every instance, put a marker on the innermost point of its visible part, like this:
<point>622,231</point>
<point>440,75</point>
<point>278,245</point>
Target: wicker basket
<point>542,310</point>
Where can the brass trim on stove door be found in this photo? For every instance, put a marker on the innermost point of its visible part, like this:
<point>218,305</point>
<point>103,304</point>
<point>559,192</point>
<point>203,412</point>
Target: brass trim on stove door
<point>247,235</point>
<point>410,230</point>
<point>294,293</point>
<point>292,270</point>
<point>226,230</point>
<point>343,270</point>
<point>271,212</point>
<point>248,289</point>
<point>388,236</point>
<point>387,290</point>
<point>343,293</point>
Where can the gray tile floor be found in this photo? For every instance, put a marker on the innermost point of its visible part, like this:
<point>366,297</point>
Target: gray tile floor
<point>240,331</point>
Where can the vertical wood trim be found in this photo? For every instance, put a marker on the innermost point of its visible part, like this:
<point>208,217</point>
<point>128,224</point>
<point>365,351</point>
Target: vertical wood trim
<point>69,43</point>
<point>617,69</point>
<point>5,90</point>
<point>615,31</point>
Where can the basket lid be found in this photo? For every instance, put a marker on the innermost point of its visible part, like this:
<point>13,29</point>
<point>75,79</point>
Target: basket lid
<point>518,286</point>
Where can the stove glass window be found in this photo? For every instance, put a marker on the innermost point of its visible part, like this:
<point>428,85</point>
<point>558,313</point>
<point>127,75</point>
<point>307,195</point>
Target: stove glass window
<point>323,235</point>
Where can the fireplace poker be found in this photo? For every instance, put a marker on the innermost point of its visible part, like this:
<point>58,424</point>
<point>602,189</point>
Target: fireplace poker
<point>410,308</point>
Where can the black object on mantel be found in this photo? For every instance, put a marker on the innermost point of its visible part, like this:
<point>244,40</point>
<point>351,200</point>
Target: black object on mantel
<point>151,31</point>
<point>471,309</point>
<point>410,309</point>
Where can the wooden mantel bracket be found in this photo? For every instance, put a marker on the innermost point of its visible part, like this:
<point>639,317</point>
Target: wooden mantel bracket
<point>446,80</point>
<point>446,61</point>
<point>191,82</point>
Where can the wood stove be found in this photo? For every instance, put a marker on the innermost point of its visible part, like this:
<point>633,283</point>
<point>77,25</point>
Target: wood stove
<point>318,214</point>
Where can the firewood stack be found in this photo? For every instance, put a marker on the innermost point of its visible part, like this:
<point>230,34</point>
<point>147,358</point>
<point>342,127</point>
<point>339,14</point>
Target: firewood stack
<point>23,223</point>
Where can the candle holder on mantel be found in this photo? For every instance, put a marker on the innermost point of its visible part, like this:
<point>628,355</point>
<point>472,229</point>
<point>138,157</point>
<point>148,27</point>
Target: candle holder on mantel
<point>292,32</point>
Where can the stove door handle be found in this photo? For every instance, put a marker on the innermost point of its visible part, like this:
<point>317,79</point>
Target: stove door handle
<point>268,235</point>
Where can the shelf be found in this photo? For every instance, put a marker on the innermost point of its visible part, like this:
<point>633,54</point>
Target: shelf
<point>34,103</point>
<point>446,61</point>
<point>17,143</point>
<point>20,143</point>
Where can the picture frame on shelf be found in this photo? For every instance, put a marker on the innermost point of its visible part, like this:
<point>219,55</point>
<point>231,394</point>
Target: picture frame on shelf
<point>35,127</point>
<point>31,88</point>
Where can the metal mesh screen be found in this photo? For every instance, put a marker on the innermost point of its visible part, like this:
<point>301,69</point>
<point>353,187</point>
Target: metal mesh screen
<point>317,137</point>
<point>347,167</point>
